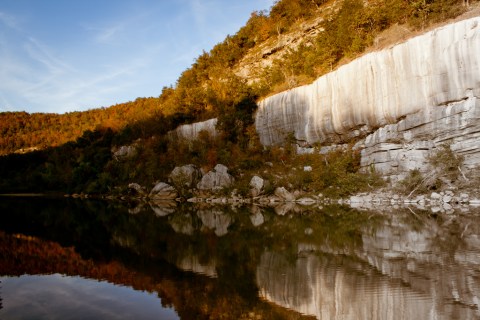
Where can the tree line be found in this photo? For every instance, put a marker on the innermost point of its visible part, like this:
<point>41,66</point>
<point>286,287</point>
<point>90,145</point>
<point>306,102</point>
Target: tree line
<point>75,149</point>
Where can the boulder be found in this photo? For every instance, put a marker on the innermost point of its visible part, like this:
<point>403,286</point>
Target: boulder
<point>256,184</point>
<point>185,176</point>
<point>284,194</point>
<point>124,153</point>
<point>163,191</point>
<point>216,179</point>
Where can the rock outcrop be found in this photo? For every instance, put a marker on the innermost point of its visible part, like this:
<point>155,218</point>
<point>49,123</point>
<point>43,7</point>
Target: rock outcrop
<point>124,152</point>
<point>284,194</point>
<point>380,88</point>
<point>185,176</point>
<point>216,179</point>
<point>256,185</point>
<point>163,191</point>
<point>396,149</point>
<point>192,131</point>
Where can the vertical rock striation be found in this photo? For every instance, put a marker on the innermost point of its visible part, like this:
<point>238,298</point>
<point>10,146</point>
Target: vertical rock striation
<point>379,88</point>
<point>191,131</point>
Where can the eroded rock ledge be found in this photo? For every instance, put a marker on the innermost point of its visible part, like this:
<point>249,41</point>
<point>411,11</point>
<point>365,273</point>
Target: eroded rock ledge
<point>396,149</point>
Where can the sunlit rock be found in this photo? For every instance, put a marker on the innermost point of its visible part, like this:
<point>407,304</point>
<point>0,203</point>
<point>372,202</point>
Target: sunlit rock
<point>379,88</point>
<point>216,179</point>
<point>419,136</point>
<point>410,98</point>
<point>192,131</point>
<point>256,184</point>
<point>284,194</point>
<point>185,176</point>
<point>163,191</point>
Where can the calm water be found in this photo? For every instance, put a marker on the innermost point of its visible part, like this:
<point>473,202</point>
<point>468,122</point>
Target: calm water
<point>72,259</point>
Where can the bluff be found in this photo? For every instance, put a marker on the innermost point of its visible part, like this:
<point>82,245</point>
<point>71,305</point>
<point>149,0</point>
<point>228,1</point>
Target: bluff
<point>399,104</point>
<point>430,82</point>
<point>379,88</point>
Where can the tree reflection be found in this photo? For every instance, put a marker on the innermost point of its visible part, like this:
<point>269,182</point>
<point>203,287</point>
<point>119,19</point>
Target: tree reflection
<point>216,262</point>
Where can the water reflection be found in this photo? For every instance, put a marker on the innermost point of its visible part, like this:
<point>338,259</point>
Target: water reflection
<point>243,263</point>
<point>63,297</point>
<point>337,288</point>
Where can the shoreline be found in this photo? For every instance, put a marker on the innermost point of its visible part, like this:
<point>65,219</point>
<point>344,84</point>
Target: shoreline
<point>24,195</point>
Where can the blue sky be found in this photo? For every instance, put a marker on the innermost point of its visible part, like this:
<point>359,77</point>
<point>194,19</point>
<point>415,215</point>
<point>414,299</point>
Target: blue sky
<point>61,55</point>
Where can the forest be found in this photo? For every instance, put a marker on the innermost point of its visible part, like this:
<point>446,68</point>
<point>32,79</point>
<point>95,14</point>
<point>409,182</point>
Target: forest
<point>72,152</point>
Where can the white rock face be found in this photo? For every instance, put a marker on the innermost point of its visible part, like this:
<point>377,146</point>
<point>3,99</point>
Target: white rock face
<point>216,179</point>
<point>191,131</point>
<point>379,88</point>
<point>395,149</point>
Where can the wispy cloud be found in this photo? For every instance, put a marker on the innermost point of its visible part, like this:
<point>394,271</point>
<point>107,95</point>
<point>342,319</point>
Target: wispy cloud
<point>41,53</point>
<point>106,34</point>
<point>92,60</point>
<point>9,20</point>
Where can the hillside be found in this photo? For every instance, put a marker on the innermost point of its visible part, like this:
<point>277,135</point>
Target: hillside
<point>21,132</point>
<point>293,44</point>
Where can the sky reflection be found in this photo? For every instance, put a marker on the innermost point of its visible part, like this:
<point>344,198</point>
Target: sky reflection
<point>63,297</point>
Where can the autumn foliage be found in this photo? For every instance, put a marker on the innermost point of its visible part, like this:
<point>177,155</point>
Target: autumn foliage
<point>72,152</point>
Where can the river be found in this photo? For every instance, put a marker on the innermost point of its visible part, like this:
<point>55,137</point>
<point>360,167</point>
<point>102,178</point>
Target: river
<point>86,259</point>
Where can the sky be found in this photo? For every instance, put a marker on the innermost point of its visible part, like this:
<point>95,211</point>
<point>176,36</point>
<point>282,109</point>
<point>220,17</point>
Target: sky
<point>62,56</point>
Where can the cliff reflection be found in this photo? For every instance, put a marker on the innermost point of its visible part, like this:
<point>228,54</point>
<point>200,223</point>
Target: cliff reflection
<point>404,268</point>
<point>215,262</point>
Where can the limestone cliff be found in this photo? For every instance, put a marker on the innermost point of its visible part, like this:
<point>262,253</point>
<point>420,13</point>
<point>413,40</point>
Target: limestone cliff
<point>400,104</point>
<point>192,131</point>
<point>379,88</point>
